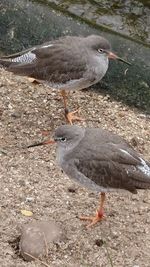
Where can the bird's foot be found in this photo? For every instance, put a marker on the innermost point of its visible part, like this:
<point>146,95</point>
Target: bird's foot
<point>94,219</point>
<point>70,116</point>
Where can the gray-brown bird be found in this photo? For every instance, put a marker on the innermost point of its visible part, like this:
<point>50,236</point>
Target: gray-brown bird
<point>101,161</point>
<point>68,63</point>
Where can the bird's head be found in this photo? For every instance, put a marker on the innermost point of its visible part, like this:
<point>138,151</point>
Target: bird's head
<point>102,46</point>
<point>66,136</point>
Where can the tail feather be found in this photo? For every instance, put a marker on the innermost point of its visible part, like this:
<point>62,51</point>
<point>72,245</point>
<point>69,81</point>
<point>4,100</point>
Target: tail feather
<point>15,55</point>
<point>8,65</point>
<point>19,63</point>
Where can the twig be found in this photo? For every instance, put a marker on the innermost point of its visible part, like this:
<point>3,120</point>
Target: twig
<point>108,254</point>
<point>3,152</point>
<point>45,264</point>
<point>46,247</point>
<point>125,72</point>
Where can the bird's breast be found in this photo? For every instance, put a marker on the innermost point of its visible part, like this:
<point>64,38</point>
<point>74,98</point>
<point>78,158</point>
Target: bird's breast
<point>99,67</point>
<point>59,156</point>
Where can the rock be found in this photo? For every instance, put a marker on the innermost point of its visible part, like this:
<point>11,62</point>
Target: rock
<point>72,189</point>
<point>137,10</point>
<point>99,242</point>
<point>111,20</point>
<point>76,9</point>
<point>134,141</point>
<point>16,115</point>
<point>35,238</point>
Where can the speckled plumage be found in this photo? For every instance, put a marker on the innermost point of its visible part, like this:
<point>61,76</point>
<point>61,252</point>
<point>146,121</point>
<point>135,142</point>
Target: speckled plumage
<point>100,160</point>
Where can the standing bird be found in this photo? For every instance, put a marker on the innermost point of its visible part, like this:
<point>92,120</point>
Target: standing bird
<point>68,63</point>
<point>101,161</point>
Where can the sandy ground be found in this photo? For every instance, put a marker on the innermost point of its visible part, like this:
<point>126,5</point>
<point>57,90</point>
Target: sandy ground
<point>31,180</point>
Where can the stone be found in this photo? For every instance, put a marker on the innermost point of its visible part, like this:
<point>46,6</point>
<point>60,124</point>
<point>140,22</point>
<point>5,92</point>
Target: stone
<point>76,10</point>
<point>36,237</point>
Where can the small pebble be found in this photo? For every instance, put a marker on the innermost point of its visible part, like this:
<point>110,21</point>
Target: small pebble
<point>99,242</point>
<point>16,115</point>
<point>72,189</point>
<point>29,199</point>
<point>134,141</point>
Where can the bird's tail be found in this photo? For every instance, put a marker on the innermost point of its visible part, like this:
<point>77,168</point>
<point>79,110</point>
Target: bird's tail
<point>5,63</point>
<point>11,61</point>
<point>8,62</point>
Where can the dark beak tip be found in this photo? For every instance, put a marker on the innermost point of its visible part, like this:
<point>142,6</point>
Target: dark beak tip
<point>42,143</point>
<point>111,55</point>
<point>124,61</point>
<point>34,145</point>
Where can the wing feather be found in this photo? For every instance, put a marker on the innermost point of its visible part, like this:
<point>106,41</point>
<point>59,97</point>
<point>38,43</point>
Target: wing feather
<point>111,167</point>
<point>52,61</point>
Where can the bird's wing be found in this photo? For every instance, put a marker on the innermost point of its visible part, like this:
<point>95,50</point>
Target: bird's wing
<point>120,153</point>
<point>105,174</point>
<point>52,61</point>
<point>115,168</point>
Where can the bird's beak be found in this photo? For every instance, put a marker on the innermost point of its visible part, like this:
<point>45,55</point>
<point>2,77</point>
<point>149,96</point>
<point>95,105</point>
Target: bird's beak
<point>114,56</point>
<point>42,143</point>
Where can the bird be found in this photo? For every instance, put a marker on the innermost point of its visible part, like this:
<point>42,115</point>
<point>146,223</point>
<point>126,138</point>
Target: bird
<point>99,160</point>
<point>67,64</point>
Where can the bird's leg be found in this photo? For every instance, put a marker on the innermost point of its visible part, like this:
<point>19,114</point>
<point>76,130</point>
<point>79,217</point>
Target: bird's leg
<point>69,115</point>
<point>99,213</point>
<point>64,95</point>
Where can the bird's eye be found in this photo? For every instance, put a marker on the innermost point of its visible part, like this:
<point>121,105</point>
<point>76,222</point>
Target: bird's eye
<point>100,50</point>
<point>62,139</point>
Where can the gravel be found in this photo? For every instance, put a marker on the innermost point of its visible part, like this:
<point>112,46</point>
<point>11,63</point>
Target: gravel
<point>31,180</point>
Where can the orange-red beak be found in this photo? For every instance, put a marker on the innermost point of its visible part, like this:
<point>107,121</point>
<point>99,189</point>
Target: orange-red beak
<point>42,143</point>
<point>114,56</point>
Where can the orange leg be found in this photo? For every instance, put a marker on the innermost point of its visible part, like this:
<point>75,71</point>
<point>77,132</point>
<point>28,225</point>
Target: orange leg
<point>64,95</point>
<point>99,213</point>
<point>69,115</point>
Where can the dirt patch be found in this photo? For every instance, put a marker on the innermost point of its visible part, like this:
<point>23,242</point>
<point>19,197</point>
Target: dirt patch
<point>31,180</point>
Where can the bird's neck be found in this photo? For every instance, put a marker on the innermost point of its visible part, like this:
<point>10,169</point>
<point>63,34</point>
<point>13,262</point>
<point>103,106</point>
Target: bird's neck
<point>63,150</point>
